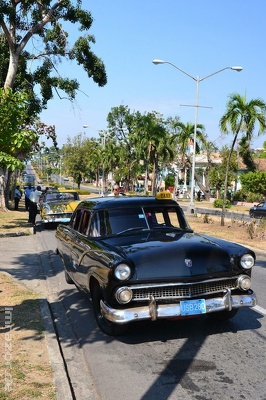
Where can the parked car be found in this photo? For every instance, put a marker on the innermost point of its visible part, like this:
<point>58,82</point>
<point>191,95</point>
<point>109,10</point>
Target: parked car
<point>139,260</point>
<point>58,206</point>
<point>258,211</point>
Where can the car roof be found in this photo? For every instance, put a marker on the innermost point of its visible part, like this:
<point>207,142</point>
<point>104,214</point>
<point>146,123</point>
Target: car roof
<point>131,201</point>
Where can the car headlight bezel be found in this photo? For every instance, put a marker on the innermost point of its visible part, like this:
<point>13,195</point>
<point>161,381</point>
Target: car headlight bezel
<point>124,295</point>
<point>122,271</point>
<point>244,282</point>
<point>247,261</point>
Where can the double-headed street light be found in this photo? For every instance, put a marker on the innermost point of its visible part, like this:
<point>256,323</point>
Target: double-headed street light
<point>191,209</point>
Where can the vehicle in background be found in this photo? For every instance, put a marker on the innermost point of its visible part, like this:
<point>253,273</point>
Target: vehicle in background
<point>258,211</point>
<point>139,259</point>
<point>58,206</point>
<point>28,179</point>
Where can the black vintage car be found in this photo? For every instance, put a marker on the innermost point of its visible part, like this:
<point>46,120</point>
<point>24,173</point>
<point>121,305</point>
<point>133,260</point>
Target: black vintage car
<point>140,260</point>
<point>258,211</point>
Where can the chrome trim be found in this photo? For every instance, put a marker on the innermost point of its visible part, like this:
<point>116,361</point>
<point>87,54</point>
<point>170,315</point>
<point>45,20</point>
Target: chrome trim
<point>170,291</point>
<point>154,311</point>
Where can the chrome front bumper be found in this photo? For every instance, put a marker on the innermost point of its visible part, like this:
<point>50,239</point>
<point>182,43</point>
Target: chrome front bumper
<point>154,311</point>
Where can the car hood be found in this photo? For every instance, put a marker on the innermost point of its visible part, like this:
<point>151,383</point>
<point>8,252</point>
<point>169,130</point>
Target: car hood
<point>183,255</point>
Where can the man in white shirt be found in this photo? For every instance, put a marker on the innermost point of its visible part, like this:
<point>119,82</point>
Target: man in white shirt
<point>17,197</point>
<point>34,200</point>
<point>115,191</point>
<point>28,191</point>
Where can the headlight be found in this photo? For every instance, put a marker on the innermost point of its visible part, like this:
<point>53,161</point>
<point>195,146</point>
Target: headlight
<point>247,261</point>
<point>122,272</point>
<point>124,295</point>
<point>244,282</point>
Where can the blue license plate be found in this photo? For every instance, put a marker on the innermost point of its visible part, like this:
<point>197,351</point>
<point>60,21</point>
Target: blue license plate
<point>193,307</point>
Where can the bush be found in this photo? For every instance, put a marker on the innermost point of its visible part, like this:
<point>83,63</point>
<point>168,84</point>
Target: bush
<point>243,195</point>
<point>170,180</point>
<point>218,203</point>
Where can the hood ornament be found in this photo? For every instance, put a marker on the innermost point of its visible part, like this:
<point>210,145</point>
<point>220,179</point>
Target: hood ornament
<point>188,262</point>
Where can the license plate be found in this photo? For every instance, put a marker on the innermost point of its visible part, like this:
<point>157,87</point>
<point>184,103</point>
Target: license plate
<point>193,307</point>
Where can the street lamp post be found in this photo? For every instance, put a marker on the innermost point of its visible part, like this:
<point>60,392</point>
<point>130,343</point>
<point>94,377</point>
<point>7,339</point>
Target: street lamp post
<point>197,79</point>
<point>99,131</point>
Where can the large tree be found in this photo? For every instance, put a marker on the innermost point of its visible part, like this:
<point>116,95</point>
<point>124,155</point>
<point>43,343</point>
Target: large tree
<point>39,26</point>
<point>241,117</point>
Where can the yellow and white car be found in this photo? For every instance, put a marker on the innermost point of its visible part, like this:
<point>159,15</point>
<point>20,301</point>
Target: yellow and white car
<point>58,206</point>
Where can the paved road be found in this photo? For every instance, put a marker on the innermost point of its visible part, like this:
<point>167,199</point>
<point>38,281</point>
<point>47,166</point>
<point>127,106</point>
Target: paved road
<point>192,359</point>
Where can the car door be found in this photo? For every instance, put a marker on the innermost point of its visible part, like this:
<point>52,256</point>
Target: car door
<point>81,247</point>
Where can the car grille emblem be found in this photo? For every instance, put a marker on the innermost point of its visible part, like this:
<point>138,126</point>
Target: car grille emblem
<point>188,262</point>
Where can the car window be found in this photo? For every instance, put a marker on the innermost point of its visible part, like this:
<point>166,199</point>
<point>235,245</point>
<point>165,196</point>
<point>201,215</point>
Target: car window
<point>165,216</point>
<point>95,226</point>
<point>75,220</point>
<point>84,222</point>
<point>50,197</point>
<point>59,196</point>
<point>118,220</point>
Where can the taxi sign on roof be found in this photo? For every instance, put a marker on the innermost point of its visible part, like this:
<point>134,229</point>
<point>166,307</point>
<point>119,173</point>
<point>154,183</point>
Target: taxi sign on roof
<point>164,196</point>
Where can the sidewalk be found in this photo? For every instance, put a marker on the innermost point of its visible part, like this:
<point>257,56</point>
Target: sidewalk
<point>21,258</point>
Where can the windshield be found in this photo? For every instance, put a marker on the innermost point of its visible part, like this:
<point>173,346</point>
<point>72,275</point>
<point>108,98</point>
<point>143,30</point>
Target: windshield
<point>114,221</point>
<point>58,196</point>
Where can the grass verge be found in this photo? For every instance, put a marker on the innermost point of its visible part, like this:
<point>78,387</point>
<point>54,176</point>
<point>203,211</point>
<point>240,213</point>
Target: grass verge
<point>24,367</point>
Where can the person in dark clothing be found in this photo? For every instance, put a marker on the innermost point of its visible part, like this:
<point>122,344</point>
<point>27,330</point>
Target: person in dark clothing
<point>199,195</point>
<point>17,197</point>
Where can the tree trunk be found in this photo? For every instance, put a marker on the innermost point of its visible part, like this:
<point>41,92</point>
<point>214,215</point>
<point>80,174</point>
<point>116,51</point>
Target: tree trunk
<point>226,179</point>
<point>12,70</point>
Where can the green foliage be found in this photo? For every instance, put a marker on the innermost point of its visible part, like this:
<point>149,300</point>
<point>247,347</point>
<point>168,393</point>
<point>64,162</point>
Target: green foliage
<point>246,196</point>
<point>141,143</point>
<point>170,180</point>
<point>218,203</point>
<point>262,153</point>
<point>17,139</point>
<point>254,182</point>
<point>217,173</point>
<point>43,24</point>
<point>77,155</point>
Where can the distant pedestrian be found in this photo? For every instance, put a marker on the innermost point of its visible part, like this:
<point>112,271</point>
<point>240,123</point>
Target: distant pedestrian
<point>28,191</point>
<point>34,200</point>
<point>17,196</point>
<point>199,195</point>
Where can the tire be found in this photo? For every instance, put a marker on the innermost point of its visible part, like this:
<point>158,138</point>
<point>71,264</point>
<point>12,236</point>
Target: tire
<point>107,327</point>
<point>68,279</point>
<point>223,315</point>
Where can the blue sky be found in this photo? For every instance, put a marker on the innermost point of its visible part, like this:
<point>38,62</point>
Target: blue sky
<point>198,36</point>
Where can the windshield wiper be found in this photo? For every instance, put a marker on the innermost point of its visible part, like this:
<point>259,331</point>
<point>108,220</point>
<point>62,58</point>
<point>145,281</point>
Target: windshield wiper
<point>138,228</point>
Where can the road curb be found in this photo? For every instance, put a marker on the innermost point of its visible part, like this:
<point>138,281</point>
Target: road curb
<point>63,391</point>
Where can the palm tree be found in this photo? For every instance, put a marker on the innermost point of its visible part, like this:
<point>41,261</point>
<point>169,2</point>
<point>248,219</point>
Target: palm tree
<point>185,136</point>
<point>241,116</point>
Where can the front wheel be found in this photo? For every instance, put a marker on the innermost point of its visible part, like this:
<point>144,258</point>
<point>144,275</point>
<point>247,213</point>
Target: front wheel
<point>108,327</point>
<point>223,315</point>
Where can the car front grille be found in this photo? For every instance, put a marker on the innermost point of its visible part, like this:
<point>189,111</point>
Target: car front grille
<point>182,291</point>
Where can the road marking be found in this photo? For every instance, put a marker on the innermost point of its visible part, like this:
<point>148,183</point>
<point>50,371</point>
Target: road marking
<point>260,310</point>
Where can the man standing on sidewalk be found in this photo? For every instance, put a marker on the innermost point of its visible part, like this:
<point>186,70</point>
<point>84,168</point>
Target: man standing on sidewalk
<point>17,197</point>
<point>28,191</point>
<point>34,200</point>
